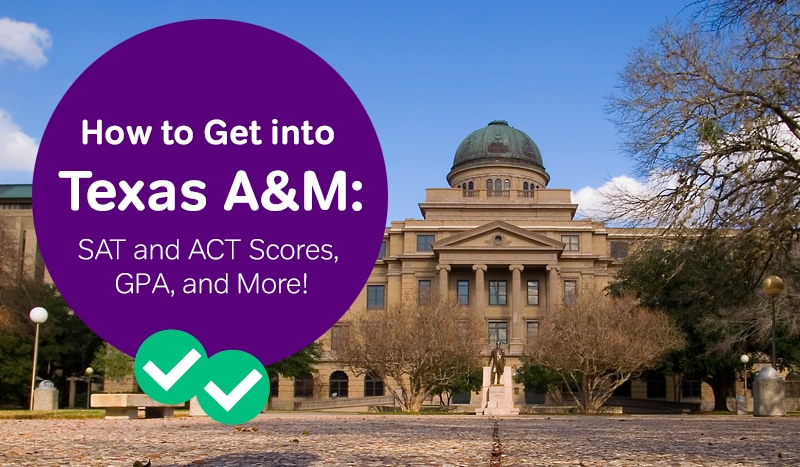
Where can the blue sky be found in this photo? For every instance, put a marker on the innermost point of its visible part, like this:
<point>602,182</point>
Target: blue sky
<point>428,73</point>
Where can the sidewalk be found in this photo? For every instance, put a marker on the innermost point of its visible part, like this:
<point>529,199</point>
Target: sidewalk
<point>289,439</point>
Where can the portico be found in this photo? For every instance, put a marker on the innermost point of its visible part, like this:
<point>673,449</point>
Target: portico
<point>515,263</point>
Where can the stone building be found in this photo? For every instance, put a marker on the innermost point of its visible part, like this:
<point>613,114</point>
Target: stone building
<point>497,240</point>
<point>17,232</point>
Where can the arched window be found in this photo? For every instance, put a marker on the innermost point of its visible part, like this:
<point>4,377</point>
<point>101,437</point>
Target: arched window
<point>339,383</point>
<point>498,185</point>
<point>470,186</point>
<point>489,185</point>
<point>304,385</point>
<point>373,386</point>
<point>507,184</point>
<point>525,186</point>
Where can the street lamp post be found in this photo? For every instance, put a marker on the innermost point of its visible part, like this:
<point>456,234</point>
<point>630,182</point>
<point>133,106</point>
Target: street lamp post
<point>773,286</point>
<point>38,315</point>
<point>745,359</point>
<point>89,372</point>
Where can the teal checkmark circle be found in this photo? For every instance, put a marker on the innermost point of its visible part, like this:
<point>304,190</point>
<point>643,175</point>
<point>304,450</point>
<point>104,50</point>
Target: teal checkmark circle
<point>236,389</point>
<point>170,366</point>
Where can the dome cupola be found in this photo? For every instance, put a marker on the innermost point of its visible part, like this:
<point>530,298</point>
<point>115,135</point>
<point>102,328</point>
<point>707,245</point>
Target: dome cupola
<point>498,150</point>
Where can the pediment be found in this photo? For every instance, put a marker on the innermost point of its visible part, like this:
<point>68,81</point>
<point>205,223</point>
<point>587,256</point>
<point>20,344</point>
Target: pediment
<point>498,235</point>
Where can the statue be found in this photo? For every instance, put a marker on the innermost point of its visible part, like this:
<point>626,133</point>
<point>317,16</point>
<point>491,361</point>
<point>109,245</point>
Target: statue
<point>497,363</point>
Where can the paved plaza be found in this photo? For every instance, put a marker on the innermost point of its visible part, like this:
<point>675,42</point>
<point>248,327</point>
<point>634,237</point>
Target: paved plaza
<point>293,439</point>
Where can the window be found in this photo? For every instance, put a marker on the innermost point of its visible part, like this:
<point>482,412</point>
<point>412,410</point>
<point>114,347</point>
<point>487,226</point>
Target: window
<point>9,206</point>
<point>498,332</point>
<point>656,387</point>
<point>619,250</point>
<point>462,291</point>
<point>497,292</point>
<point>533,292</point>
<point>489,186</point>
<point>571,242</point>
<point>624,390</point>
<point>373,386</point>
<point>532,331</point>
<point>506,184</point>
<point>691,388</point>
<point>339,335</point>
<point>376,295</point>
<point>527,189</point>
<point>382,251</point>
<point>304,385</point>
<point>338,384</point>
<point>424,292</point>
<point>470,186</point>
<point>570,292</point>
<point>274,385</point>
<point>498,185</point>
<point>424,242</point>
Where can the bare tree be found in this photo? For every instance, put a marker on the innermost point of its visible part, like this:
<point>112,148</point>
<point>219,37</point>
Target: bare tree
<point>709,109</point>
<point>601,342</point>
<point>414,349</point>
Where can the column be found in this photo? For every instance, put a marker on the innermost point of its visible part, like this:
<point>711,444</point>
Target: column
<point>394,286</point>
<point>480,289</point>
<point>517,344</point>
<point>552,288</point>
<point>443,283</point>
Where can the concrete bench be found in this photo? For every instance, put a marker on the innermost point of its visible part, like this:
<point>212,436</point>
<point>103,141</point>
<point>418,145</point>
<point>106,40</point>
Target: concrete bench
<point>126,406</point>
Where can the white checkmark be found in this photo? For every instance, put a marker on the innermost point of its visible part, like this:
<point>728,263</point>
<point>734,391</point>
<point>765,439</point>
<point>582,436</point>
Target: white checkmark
<point>227,401</point>
<point>166,381</point>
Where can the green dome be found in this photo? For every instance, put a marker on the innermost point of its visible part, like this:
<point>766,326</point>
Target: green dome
<point>497,143</point>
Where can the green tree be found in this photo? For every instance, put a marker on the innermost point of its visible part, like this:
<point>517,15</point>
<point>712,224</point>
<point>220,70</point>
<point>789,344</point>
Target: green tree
<point>66,345</point>
<point>710,285</point>
<point>302,363</point>
<point>541,380</point>
<point>112,364</point>
<point>470,382</point>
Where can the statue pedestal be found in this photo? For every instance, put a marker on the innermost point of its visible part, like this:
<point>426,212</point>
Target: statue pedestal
<point>497,399</point>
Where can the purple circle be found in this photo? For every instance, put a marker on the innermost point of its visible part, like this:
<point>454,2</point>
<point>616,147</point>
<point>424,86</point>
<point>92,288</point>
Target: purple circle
<point>192,73</point>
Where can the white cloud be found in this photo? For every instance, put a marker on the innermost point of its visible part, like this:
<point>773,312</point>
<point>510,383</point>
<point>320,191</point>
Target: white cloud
<point>17,150</point>
<point>595,202</point>
<point>615,200</point>
<point>23,41</point>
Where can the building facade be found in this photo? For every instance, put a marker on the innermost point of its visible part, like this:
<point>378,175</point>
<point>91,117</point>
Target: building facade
<point>17,235</point>
<point>499,241</point>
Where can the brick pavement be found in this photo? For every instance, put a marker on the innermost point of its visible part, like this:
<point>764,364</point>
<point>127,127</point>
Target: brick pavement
<point>302,439</point>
